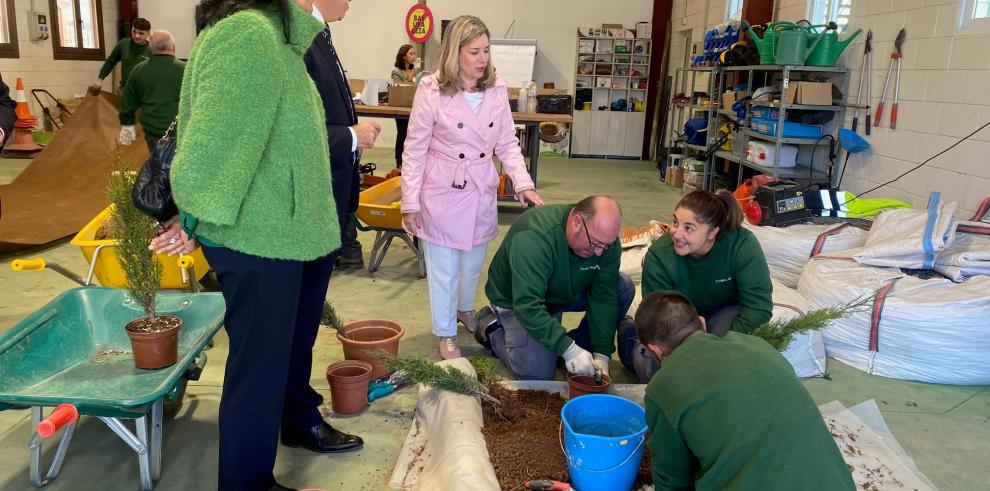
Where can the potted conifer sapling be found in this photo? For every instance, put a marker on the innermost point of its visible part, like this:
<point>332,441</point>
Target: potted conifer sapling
<point>154,338</point>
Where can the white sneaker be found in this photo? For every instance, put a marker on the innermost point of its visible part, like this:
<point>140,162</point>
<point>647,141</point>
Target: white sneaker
<point>449,348</point>
<point>469,318</point>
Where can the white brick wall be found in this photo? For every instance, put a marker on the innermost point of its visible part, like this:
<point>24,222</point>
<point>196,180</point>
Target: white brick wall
<point>38,67</point>
<point>945,95</point>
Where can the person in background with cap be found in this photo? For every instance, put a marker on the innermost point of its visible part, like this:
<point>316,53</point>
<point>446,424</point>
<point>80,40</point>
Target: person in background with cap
<point>347,137</point>
<point>154,87</point>
<point>7,115</point>
<point>128,52</point>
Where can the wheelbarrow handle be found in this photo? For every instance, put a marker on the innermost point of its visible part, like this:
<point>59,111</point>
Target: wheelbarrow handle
<point>62,415</point>
<point>186,261</point>
<point>36,264</point>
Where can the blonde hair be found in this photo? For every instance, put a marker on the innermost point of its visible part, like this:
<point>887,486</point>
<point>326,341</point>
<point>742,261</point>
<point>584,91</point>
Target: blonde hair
<point>459,33</point>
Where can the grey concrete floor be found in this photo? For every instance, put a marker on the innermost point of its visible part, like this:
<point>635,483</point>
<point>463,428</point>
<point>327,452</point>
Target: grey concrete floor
<point>945,429</point>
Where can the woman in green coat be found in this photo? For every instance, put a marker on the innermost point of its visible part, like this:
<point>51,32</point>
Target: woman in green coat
<point>251,178</point>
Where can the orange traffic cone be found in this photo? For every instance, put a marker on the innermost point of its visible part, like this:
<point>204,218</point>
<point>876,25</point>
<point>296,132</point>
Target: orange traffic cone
<point>25,124</point>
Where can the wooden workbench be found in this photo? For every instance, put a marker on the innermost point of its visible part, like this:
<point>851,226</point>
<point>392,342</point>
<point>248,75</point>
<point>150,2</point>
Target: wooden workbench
<point>530,120</point>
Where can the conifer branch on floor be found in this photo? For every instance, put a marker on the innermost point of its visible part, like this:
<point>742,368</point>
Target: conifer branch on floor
<point>423,371</point>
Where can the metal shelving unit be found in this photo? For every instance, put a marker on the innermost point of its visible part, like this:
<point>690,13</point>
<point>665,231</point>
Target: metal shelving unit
<point>686,82</point>
<point>815,165</point>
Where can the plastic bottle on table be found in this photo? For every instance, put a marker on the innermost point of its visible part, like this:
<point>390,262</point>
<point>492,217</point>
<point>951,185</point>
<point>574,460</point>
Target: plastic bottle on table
<point>523,99</point>
<point>531,101</point>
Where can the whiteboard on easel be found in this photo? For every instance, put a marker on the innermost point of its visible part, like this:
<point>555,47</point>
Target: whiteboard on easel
<point>514,60</point>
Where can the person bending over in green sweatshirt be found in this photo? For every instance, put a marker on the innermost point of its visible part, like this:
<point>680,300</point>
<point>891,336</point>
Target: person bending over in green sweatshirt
<point>556,259</point>
<point>728,412</point>
<point>715,263</point>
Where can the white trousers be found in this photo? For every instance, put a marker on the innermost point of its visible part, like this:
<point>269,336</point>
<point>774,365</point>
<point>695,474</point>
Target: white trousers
<point>451,276</point>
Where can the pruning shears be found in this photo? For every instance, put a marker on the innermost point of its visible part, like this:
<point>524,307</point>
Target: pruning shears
<point>387,385</point>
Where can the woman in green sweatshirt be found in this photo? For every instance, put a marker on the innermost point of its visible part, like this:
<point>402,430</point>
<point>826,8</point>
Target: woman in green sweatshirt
<point>714,262</point>
<point>251,178</point>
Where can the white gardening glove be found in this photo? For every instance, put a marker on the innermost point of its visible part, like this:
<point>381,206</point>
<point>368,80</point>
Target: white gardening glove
<point>602,362</point>
<point>578,360</point>
<point>97,84</point>
<point>127,135</point>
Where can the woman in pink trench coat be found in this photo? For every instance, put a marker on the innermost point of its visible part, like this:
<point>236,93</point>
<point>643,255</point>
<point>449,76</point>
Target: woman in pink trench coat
<point>460,118</point>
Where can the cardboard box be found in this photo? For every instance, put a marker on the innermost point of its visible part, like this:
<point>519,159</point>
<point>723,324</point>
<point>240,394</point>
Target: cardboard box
<point>644,30</point>
<point>730,97</point>
<point>401,95</point>
<point>812,93</point>
<point>676,176</point>
<point>357,86</point>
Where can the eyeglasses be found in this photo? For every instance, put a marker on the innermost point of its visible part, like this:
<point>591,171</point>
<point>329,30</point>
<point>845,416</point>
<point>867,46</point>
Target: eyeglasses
<point>591,243</point>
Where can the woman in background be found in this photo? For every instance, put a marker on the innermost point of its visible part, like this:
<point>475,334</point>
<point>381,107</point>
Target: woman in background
<point>460,118</point>
<point>403,72</point>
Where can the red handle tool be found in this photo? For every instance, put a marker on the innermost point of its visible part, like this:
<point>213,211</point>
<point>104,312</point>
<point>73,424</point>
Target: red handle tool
<point>547,485</point>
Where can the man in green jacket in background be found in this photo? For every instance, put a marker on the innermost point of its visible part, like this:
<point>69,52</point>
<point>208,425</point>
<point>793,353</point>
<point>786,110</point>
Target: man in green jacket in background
<point>728,412</point>
<point>154,87</point>
<point>556,259</point>
<point>128,52</point>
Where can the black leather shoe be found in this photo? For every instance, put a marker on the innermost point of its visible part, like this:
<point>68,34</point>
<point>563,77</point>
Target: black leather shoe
<point>322,438</point>
<point>345,263</point>
<point>278,487</point>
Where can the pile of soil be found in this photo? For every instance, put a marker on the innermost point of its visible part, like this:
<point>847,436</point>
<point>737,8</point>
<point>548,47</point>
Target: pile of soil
<point>103,233</point>
<point>160,323</point>
<point>523,438</point>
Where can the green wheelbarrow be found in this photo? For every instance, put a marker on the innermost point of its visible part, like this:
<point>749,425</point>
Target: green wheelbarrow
<point>73,352</point>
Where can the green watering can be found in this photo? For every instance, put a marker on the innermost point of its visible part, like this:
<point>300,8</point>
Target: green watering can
<point>795,43</point>
<point>828,50</point>
<point>765,44</point>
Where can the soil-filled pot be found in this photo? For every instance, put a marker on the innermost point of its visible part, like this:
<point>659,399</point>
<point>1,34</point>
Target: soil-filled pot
<point>154,344</point>
<point>349,385</point>
<point>579,385</point>
<point>364,337</point>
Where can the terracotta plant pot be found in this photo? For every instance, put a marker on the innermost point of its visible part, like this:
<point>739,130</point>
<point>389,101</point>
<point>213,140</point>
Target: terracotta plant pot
<point>579,385</point>
<point>158,349</point>
<point>364,337</point>
<point>349,385</point>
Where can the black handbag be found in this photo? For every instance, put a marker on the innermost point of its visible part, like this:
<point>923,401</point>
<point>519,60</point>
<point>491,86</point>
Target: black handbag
<point>152,192</point>
<point>554,104</point>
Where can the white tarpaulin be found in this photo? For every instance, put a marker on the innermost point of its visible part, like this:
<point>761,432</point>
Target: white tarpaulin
<point>788,249</point>
<point>806,352</point>
<point>967,255</point>
<point>926,330</point>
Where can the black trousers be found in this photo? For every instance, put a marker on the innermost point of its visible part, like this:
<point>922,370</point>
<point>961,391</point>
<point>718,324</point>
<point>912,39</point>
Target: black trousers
<point>152,141</point>
<point>272,319</point>
<point>401,126</point>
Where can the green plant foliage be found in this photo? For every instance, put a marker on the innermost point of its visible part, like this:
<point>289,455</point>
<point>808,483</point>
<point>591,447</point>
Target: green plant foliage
<point>330,318</point>
<point>423,371</point>
<point>780,333</point>
<point>133,231</point>
<point>485,369</point>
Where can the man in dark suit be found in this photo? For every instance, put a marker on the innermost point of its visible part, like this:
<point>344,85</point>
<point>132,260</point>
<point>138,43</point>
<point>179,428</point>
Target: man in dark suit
<point>302,423</point>
<point>7,115</point>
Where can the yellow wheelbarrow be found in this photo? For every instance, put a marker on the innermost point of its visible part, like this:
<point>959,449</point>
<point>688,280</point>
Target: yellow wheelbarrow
<point>380,211</point>
<point>178,272</point>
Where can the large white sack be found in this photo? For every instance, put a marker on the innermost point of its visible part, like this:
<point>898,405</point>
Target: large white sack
<point>806,352</point>
<point>968,255</point>
<point>788,249</point>
<point>909,238</point>
<point>635,244</point>
<point>929,330</point>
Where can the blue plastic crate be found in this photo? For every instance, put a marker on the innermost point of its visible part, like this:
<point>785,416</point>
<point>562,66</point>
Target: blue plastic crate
<point>791,129</point>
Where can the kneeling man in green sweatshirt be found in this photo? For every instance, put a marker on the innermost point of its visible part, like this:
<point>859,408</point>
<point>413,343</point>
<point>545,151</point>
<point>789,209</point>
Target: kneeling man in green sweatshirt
<point>728,412</point>
<point>556,259</point>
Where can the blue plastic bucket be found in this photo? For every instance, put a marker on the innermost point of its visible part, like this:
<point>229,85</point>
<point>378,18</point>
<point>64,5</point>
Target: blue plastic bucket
<point>603,440</point>
<point>851,141</point>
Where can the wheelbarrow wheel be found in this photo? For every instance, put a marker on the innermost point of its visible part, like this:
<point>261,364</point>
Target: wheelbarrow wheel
<point>173,400</point>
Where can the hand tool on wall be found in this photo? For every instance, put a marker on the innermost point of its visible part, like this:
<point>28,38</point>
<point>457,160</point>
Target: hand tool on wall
<point>895,58</point>
<point>866,73</point>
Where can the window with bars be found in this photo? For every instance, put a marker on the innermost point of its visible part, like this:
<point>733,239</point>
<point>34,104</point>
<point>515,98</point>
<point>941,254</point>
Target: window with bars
<point>824,11</point>
<point>8,30</point>
<point>78,29</point>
